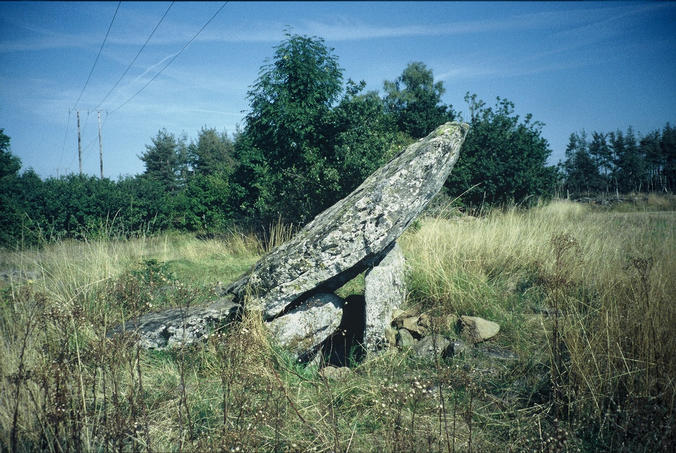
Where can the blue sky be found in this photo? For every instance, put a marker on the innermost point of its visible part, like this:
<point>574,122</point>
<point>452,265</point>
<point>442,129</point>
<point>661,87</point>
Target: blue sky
<point>573,65</point>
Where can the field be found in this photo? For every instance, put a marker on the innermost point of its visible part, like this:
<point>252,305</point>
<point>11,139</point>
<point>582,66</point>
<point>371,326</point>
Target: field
<point>585,359</point>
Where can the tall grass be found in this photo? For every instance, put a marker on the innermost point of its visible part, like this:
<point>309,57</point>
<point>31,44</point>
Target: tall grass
<point>584,298</point>
<point>609,282</point>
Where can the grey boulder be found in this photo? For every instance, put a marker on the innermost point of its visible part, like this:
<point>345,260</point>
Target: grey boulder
<point>302,329</point>
<point>477,329</point>
<point>433,346</point>
<point>179,326</point>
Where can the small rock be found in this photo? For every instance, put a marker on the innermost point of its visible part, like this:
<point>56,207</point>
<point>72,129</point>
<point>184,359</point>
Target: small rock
<point>333,373</point>
<point>433,346</point>
<point>478,329</point>
<point>499,354</point>
<point>458,347</point>
<point>405,339</point>
<point>398,314</point>
<point>412,324</point>
<point>424,321</point>
<point>450,321</point>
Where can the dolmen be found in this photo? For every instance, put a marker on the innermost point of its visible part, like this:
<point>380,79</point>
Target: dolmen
<point>293,285</point>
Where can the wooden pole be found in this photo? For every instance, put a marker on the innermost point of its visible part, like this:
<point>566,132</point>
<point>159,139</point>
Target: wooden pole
<point>79,143</point>
<point>100,145</point>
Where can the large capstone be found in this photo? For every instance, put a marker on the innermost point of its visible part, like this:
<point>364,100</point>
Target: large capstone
<point>384,291</point>
<point>355,233</point>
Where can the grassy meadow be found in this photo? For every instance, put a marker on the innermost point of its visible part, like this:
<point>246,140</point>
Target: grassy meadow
<point>585,359</point>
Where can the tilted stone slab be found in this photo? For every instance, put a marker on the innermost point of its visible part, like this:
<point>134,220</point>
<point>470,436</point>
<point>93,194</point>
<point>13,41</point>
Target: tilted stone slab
<point>356,232</point>
<point>384,291</point>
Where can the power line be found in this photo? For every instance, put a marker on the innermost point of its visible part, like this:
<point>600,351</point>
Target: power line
<point>134,60</point>
<point>172,59</point>
<point>99,54</point>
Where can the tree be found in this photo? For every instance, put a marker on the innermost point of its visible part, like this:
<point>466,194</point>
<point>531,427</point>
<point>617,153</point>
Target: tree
<point>211,153</point>
<point>166,160</point>
<point>668,148</point>
<point>602,156</point>
<point>283,152</point>
<point>414,100</point>
<point>365,136</point>
<point>651,151</point>
<point>10,202</point>
<point>629,165</point>
<point>581,171</point>
<point>503,159</point>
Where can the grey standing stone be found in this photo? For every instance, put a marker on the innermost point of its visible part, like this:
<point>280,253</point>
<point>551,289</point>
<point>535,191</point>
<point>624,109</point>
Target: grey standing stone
<point>302,329</point>
<point>352,235</point>
<point>384,291</point>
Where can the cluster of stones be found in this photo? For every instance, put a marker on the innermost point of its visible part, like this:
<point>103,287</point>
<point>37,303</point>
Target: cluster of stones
<point>293,286</point>
<point>411,331</point>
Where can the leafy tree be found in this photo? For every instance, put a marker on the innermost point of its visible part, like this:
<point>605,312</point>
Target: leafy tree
<point>166,160</point>
<point>10,202</point>
<point>503,159</point>
<point>415,101</point>
<point>211,153</point>
<point>283,151</point>
<point>205,204</point>
<point>365,137</point>
<point>146,204</point>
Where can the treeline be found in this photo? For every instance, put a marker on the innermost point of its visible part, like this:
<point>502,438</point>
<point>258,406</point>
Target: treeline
<point>309,139</point>
<point>620,162</point>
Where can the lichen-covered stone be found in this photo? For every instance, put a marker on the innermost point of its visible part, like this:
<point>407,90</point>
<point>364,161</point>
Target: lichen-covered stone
<point>179,326</point>
<point>355,233</point>
<point>302,329</point>
<point>384,291</point>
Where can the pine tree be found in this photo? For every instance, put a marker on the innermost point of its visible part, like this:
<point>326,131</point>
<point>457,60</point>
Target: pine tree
<point>166,160</point>
<point>211,153</point>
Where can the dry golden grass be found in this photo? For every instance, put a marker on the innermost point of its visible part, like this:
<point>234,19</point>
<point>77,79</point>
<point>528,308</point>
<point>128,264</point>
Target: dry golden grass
<point>584,297</point>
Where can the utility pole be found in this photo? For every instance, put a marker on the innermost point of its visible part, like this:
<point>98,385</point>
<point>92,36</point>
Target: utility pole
<point>79,142</point>
<point>98,112</point>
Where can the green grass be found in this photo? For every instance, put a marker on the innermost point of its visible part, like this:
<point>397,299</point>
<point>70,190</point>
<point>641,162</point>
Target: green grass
<point>583,294</point>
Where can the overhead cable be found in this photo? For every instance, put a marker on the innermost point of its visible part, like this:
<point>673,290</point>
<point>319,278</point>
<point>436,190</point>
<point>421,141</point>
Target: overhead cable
<point>171,60</point>
<point>134,60</point>
<point>99,54</point>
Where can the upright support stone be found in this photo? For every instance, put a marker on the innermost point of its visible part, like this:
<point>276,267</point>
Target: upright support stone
<point>384,292</point>
<point>302,329</point>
